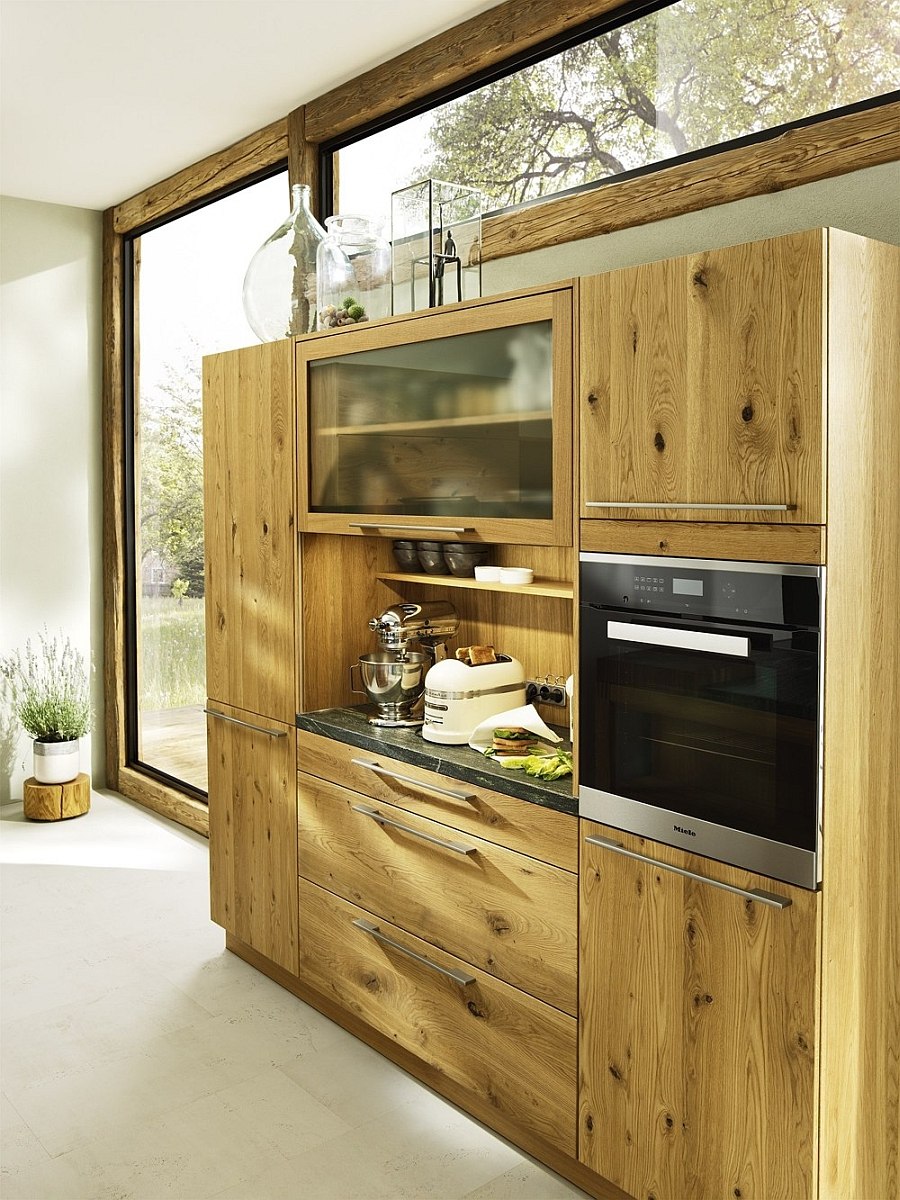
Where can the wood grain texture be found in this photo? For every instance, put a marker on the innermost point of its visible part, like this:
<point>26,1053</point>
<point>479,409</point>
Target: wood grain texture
<point>253,833</point>
<point>411,1062</point>
<point>265,148</point>
<point>167,801</point>
<point>509,915</point>
<point>702,379</point>
<point>303,158</point>
<point>861,827</point>
<point>113,503</point>
<point>455,54</point>
<point>797,156</point>
<point>474,1034</point>
<point>696,539</point>
<point>56,801</point>
<point>553,305</point>
<point>698,1011</point>
<point>515,824</point>
<point>248,480</point>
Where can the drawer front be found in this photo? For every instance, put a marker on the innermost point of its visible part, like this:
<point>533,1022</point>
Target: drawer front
<point>507,914</point>
<point>539,832</point>
<point>506,1048</point>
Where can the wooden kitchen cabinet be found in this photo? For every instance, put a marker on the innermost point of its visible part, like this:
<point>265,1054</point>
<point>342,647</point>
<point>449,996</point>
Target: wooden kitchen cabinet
<point>250,531</point>
<point>698,1026</point>
<point>253,831</point>
<point>454,424</point>
<point>251,660</point>
<point>702,385</point>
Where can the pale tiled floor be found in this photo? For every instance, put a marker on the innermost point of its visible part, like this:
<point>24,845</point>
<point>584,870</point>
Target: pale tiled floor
<point>140,1059</point>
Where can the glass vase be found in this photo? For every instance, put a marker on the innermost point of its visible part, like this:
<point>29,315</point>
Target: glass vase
<point>353,268</point>
<point>280,284</point>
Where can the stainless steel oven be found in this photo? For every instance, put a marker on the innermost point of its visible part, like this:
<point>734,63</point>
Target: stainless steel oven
<point>700,698</point>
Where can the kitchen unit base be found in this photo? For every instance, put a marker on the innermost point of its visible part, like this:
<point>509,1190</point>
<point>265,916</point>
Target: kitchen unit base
<point>456,1093</point>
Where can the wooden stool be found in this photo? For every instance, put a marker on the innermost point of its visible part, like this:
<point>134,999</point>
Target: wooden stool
<point>57,801</point>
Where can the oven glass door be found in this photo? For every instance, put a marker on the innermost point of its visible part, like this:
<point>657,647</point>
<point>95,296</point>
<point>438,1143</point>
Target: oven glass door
<point>717,722</point>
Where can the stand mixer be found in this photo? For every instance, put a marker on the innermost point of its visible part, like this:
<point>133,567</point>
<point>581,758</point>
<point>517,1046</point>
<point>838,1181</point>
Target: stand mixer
<point>393,677</point>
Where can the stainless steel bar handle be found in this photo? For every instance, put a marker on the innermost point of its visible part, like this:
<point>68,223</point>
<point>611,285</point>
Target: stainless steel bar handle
<point>421,528</point>
<point>457,976</point>
<point>456,847</point>
<point>429,787</point>
<point>272,733</point>
<point>668,504</point>
<point>770,898</point>
<point>681,639</point>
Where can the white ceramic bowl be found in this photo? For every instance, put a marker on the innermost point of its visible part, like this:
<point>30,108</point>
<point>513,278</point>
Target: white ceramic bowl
<point>516,575</point>
<point>488,574</point>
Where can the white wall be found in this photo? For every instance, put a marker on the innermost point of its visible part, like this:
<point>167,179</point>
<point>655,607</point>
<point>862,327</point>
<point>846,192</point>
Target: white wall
<point>50,447</point>
<point>865,202</point>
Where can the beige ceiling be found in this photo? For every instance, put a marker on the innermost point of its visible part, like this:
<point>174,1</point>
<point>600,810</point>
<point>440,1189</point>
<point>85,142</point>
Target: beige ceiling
<point>101,98</point>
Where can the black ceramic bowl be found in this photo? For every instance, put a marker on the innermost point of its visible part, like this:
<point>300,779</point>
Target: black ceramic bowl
<point>431,558</point>
<point>406,555</point>
<point>463,557</point>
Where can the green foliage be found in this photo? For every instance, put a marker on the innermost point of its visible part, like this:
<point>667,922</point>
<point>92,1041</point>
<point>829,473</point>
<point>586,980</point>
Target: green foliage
<point>173,653</point>
<point>692,75</point>
<point>171,471</point>
<point>180,588</point>
<point>48,689</point>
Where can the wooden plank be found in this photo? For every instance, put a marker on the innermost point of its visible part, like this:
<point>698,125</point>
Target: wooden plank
<point>861,819</point>
<point>693,539</point>
<point>798,156</point>
<point>475,1033</point>
<point>560,588</point>
<point>508,914</point>
<point>698,1027</point>
<point>264,148</point>
<point>449,57</point>
<point>113,503</point>
<point>303,158</point>
<point>253,832</point>
<point>167,801</point>
<point>704,384</point>
<point>516,824</point>
<point>250,531</point>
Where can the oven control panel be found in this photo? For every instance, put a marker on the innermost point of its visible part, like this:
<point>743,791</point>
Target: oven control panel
<point>769,593</point>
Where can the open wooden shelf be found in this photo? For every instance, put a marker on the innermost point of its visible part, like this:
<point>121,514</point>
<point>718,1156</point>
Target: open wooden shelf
<point>434,424</point>
<point>560,588</point>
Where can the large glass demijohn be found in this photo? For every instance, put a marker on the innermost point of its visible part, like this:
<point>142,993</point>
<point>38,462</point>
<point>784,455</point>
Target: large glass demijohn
<point>280,284</point>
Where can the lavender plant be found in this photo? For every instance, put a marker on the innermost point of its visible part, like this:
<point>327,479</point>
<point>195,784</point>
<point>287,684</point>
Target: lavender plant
<point>48,689</point>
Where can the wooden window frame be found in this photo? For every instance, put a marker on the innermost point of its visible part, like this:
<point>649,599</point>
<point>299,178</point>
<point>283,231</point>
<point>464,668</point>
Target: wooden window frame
<point>806,154</point>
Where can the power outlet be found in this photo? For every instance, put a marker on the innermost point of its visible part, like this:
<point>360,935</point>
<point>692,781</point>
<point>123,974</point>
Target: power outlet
<point>538,691</point>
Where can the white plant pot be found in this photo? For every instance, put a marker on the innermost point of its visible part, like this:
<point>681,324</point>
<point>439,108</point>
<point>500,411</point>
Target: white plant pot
<point>56,762</point>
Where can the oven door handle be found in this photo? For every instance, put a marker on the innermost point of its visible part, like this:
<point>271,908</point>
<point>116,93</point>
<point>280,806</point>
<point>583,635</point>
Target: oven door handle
<point>681,639</point>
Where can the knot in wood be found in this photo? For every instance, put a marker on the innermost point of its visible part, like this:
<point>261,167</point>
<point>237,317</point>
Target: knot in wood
<point>747,412</point>
<point>592,398</point>
<point>659,442</point>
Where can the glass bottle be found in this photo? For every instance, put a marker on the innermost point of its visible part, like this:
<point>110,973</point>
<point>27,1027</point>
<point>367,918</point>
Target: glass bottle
<point>280,284</point>
<point>353,267</point>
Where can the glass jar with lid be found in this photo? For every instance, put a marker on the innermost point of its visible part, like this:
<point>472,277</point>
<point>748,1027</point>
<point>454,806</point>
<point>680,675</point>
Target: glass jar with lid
<point>353,272</point>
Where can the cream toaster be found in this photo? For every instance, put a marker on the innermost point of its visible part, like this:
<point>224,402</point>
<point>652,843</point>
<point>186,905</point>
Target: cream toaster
<point>458,697</point>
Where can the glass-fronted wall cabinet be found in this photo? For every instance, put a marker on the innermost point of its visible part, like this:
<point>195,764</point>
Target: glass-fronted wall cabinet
<point>455,423</point>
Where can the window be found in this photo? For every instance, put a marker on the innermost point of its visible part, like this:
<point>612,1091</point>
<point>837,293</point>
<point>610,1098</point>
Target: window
<point>186,283</point>
<point>676,82</point>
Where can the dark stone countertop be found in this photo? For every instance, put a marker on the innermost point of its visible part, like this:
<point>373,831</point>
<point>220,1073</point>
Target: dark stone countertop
<point>456,762</point>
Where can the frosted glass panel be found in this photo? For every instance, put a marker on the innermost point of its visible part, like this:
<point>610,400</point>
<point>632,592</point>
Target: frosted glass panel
<point>458,426</point>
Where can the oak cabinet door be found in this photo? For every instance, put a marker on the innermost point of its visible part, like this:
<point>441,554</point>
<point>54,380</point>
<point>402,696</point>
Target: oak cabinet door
<point>697,1027</point>
<point>453,423</point>
<point>702,386</point>
<point>248,477</point>
<point>253,831</point>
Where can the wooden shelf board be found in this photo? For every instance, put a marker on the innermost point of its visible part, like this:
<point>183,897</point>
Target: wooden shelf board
<point>559,588</point>
<point>437,423</point>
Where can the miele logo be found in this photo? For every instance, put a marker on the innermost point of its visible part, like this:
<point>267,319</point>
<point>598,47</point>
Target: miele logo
<point>680,829</point>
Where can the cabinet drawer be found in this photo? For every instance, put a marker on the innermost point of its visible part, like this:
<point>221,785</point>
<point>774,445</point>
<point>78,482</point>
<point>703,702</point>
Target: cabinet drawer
<point>512,1052</point>
<point>505,913</point>
<point>539,832</point>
